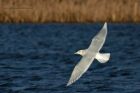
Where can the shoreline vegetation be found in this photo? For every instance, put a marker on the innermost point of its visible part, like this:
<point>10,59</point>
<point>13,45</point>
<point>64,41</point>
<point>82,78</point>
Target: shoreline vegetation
<point>44,11</point>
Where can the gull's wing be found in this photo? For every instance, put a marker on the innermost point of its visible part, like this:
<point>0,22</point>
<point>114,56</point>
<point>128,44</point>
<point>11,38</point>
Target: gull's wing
<point>98,40</point>
<point>88,58</point>
<point>80,68</point>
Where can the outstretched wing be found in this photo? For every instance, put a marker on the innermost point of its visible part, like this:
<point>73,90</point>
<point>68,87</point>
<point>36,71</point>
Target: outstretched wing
<point>87,59</point>
<point>98,40</point>
<point>80,68</point>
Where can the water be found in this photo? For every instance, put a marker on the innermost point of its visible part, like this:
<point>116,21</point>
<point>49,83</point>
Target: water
<point>39,58</point>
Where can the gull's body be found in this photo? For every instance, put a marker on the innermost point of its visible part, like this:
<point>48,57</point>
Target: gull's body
<point>90,54</point>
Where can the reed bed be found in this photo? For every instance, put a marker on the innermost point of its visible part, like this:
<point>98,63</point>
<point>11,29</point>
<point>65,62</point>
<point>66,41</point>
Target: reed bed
<point>44,11</point>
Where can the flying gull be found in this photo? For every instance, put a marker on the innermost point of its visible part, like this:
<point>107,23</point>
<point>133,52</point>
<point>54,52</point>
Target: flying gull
<point>89,54</point>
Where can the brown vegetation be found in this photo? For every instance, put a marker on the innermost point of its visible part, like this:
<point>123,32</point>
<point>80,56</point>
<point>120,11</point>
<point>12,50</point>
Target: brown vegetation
<point>69,10</point>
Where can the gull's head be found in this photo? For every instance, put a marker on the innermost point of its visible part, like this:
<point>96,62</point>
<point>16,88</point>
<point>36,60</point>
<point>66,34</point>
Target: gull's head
<point>80,52</point>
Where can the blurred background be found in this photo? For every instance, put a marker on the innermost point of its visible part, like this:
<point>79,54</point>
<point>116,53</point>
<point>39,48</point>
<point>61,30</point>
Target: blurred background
<point>69,11</point>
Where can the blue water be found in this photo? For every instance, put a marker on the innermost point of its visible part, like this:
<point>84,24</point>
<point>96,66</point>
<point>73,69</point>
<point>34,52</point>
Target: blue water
<point>39,58</point>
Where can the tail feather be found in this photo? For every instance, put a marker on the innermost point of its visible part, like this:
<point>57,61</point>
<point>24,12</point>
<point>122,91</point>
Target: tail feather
<point>103,57</point>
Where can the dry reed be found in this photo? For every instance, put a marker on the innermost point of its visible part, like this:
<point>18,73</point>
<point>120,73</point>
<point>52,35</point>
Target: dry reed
<point>69,11</point>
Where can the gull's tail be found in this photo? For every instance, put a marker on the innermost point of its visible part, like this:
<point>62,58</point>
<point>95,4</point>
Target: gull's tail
<point>103,57</point>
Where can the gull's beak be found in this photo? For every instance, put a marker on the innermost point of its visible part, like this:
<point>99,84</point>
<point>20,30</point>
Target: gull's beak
<point>76,53</point>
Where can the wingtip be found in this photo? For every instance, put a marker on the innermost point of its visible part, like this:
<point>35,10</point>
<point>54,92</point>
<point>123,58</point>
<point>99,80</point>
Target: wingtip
<point>105,25</point>
<point>68,84</point>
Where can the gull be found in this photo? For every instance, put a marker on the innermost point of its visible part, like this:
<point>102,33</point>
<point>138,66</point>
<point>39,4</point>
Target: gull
<point>89,54</point>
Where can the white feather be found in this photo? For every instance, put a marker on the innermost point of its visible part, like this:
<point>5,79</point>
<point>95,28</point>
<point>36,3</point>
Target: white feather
<point>103,58</point>
<point>89,56</point>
